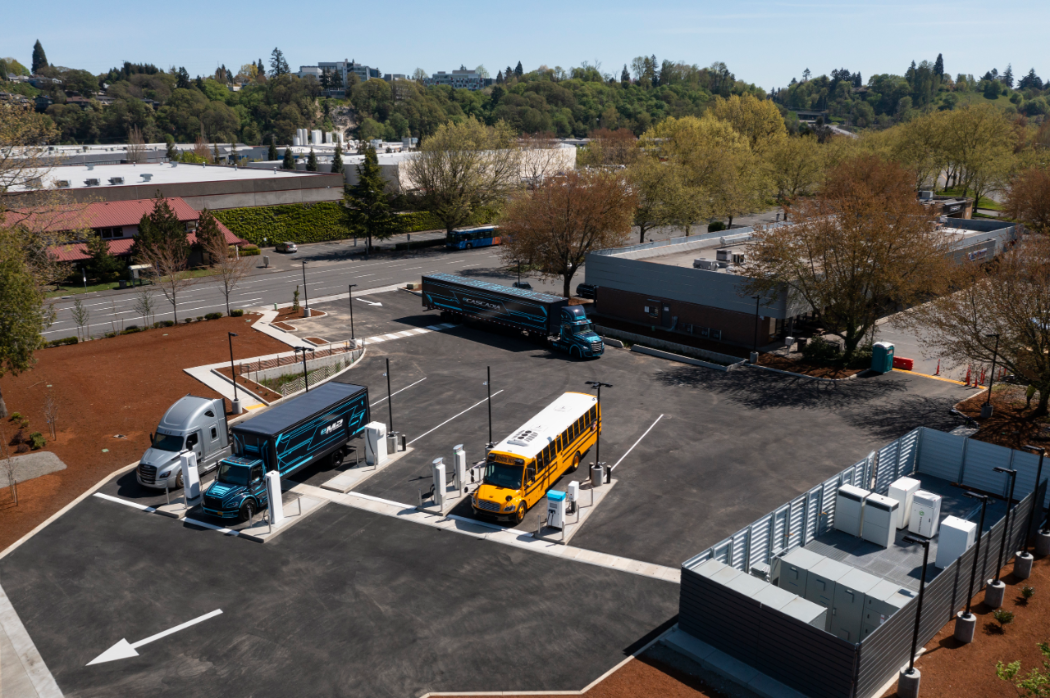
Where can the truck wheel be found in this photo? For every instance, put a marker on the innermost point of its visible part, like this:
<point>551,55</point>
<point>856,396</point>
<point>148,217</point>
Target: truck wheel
<point>575,463</point>
<point>519,515</point>
<point>574,352</point>
<point>248,511</point>
<point>178,480</point>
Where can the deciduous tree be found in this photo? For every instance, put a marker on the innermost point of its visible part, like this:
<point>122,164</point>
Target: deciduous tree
<point>794,167</point>
<point>161,244</point>
<point>757,120</point>
<point>230,266</point>
<point>1028,199</point>
<point>864,244</point>
<point>554,227</point>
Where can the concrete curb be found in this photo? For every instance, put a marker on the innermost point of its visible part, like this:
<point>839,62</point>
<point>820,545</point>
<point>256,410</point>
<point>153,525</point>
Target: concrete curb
<point>675,357</point>
<point>800,375</point>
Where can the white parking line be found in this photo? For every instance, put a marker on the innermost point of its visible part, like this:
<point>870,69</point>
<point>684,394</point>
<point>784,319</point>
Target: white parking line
<point>637,442</point>
<point>399,391</point>
<point>118,500</point>
<point>453,417</point>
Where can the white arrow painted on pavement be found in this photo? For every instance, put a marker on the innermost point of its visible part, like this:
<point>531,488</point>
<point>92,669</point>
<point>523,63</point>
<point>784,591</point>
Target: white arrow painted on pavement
<point>125,649</point>
<point>370,302</point>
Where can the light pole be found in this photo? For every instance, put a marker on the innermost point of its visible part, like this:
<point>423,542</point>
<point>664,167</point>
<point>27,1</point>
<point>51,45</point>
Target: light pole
<point>1037,502</point>
<point>986,410</point>
<point>389,399</point>
<point>306,378</point>
<point>598,385</point>
<point>306,294</point>
<point>966,622</point>
<point>235,406</point>
<point>908,684</point>
<point>754,350</point>
<point>352,287</point>
<point>488,386</point>
<point>1012,474</point>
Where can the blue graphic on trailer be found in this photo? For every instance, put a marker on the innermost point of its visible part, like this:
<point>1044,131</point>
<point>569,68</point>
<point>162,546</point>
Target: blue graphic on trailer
<point>295,447</point>
<point>527,309</point>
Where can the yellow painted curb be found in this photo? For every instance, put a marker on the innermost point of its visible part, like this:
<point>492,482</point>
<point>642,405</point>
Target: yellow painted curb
<point>936,378</point>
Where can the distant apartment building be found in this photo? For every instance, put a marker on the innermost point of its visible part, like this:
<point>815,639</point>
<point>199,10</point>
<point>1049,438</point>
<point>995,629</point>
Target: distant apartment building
<point>341,69</point>
<point>462,78</point>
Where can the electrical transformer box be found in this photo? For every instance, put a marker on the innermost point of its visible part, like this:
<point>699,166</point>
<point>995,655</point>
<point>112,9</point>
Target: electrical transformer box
<point>821,579</point>
<point>881,602</point>
<point>790,570</point>
<point>849,509</point>
<point>957,535</point>
<point>847,613</point>
<point>903,490</point>
<point>925,513</point>
<point>880,520</point>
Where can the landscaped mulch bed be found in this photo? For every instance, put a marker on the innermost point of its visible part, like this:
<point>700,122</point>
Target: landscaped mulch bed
<point>795,366</point>
<point>950,670</point>
<point>106,387</point>
<point>1012,424</point>
<point>268,396</point>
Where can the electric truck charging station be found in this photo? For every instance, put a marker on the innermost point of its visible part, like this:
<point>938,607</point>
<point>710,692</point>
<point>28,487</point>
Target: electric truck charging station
<point>574,497</point>
<point>375,443</point>
<point>191,484</point>
<point>461,468</point>
<point>556,510</point>
<point>438,466</point>
<point>273,494</point>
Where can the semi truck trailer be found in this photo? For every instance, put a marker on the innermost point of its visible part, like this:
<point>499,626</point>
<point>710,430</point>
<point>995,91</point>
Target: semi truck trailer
<point>310,428</point>
<point>193,423</point>
<point>564,327</point>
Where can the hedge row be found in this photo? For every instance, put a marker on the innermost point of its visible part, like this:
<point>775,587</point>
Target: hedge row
<point>321,222</point>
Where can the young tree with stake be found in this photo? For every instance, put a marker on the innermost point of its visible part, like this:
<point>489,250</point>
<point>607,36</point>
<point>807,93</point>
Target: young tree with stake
<point>231,266</point>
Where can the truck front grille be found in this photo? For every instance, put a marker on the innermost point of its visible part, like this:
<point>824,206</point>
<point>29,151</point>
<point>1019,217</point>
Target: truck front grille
<point>489,506</point>
<point>212,503</point>
<point>148,473</point>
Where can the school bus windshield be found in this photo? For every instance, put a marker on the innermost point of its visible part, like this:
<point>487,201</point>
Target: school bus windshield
<point>508,476</point>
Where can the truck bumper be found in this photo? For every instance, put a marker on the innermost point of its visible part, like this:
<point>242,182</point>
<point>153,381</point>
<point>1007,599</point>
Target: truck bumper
<point>220,514</point>
<point>155,484</point>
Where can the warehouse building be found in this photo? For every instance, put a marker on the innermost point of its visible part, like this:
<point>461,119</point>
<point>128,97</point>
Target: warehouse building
<point>694,286</point>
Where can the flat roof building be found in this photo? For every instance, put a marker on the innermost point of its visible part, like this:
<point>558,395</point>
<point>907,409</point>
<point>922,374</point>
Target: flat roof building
<point>462,78</point>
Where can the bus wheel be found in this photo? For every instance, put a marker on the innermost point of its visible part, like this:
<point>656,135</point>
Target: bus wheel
<point>470,245</point>
<point>248,511</point>
<point>519,516</point>
<point>575,463</point>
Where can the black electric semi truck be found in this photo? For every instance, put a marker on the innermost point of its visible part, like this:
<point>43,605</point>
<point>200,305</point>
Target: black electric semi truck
<point>309,428</point>
<point>565,327</point>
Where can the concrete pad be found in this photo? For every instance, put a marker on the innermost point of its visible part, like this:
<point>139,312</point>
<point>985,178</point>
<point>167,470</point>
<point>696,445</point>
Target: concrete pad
<point>351,478</point>
<point>177,508</point>
<point>297,507</point>
<point>453,498</point>
<point>728,667</point>
<point>684,643</point>
<point>30,466</point>
<point>731,667</point>
<point>589,501</point>
<point>22,669</point>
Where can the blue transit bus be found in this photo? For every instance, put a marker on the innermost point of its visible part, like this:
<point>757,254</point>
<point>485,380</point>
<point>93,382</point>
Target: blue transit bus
<point>469,239</point>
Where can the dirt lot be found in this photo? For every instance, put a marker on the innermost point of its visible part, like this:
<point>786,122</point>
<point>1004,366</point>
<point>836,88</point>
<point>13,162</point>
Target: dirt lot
<point>109,387</point>
<point>798,366</point>
<point>950,670</point>
<point>1011,424</point>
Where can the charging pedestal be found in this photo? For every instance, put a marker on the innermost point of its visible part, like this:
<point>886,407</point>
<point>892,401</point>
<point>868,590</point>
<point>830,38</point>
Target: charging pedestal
<point>191,481</point>
<point>460,457</point>
<point>375,443</point>
<point>574,496</point>
<point>556,509</point>
<point>274,497</point>
<point>438,467</point>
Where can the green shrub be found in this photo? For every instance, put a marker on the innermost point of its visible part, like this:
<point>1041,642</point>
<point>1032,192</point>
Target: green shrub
<point>60,342</point>
<point>236,313</point>
<point>167,323</point>
<point>1027,592</point>
<point>187,320</point>
<point>15,417</point>
<point>250,251</point>
<point>212,316</point>
<point>109,335</point>
<point>820,350</point>
<point>132,329</point>
<point>36,440</point>
<point>861,357</point>
<point>200,318</point>
<point>1003,617</point>
<point>716,226</point>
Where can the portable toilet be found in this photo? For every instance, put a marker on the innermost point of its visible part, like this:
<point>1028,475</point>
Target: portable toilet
<point>882,357</point>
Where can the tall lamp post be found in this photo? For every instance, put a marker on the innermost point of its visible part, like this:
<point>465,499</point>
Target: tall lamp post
<point>966,623</point>
<point>598,385</point>
<point>389,398</point>
<point>986,409</point>
<point>306,294</point>
<point>306,378</point>
<point>488,386</point>
<point>235,406</point>
<point>993,596</point>
<point>908,683</point>
<point>352,287</point>
<point>1024,559</point>
<point>754,349</point>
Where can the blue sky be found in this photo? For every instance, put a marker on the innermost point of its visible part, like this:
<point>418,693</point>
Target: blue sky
<point>762,41</point>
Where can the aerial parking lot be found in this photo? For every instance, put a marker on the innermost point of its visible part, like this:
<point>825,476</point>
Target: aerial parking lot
<point>367,596</point>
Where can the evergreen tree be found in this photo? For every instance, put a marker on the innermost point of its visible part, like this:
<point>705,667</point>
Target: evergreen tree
<point>1008,76</point>
<point>272,154</point>
<point>160,227</point>
<point>938,67</point>
<point>39,58</point>
<point>367,206</point>
<point>625,77</point>
<point>337,159</point>
<point>311,162</point>
<point>207,229</point>
<point>507,73</point>
<point>289,161</point>
<point>172,153</point>
<point>215,153</point>
<point>103,265</point>
<point>1030,81</point>
<point>182,79</point>
<point>278,65</point>
<point>261,70</point>
<point>499,77</point>
<point>518,71</point>
<point>199,82</point>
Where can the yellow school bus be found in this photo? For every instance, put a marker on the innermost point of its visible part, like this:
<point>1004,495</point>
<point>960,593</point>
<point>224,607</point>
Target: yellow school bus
<point>520,469</point>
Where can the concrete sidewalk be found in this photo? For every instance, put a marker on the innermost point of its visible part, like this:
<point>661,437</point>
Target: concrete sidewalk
<point>22,669</point>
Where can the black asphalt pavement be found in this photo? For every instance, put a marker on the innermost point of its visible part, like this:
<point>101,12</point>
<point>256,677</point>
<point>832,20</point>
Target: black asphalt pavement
<point>346,603</point>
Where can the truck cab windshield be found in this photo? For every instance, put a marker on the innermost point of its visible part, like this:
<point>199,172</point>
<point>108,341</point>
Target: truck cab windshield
<point>584,328</point>
<point>233,474</point>
<point>167,442</point>
<point>508,476</point>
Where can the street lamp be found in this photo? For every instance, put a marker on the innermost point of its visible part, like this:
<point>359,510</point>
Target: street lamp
<point>389,398</point>
<point>352,287</point>
<point>966,623</point>
<point>1037,502</point>
<point>235,406</point>
<point>908,684</point>
<point>598,385</point>
<point>488,386</point>
<point>306,294</point>
<point>986,410</point>
<point>754,350</point>
<point>1012,474</point>
<point>306,378</point>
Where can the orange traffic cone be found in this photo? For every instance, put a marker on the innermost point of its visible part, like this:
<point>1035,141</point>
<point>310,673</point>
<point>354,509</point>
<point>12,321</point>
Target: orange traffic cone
<point>938,371</point>
<point>968,375</point>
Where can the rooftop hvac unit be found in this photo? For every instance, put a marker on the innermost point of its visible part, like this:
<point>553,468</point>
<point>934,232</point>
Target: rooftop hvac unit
<point>849,509</point>
<point>116,180</point>
<point>926,195</point>
<point>738,259</point>
<point>62,183</point>
<point>724,255</point>
<point>146,176</point>
<point>925,513</point>
<point>91,182</point>
<point>705,264</point>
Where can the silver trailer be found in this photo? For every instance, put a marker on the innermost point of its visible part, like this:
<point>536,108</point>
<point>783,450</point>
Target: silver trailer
<point>192,424</point>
